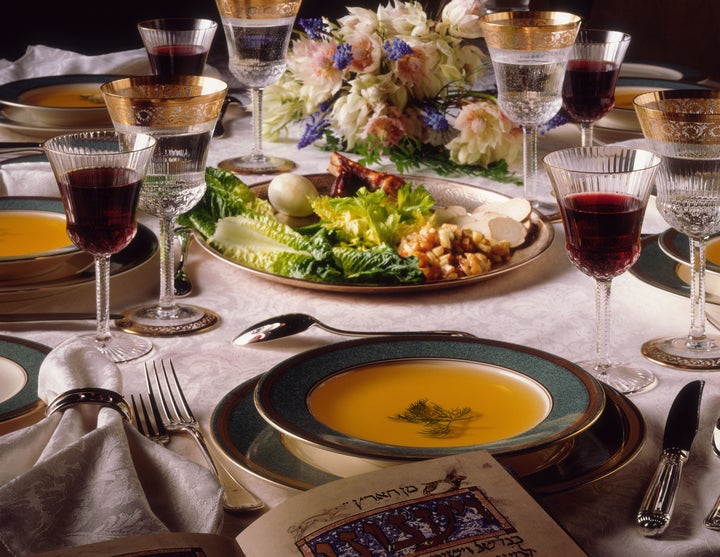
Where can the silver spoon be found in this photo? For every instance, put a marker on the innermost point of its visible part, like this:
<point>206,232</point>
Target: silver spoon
<point>712,520</point>
<point>181,281</point>
<point>293,323</point>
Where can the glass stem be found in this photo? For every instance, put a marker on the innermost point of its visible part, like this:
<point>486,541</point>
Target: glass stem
<point>602,331</point>
<point>586,134</point>
<point>697,339</point>
<point>167,267</point>
<point>257,102</point>
<point>530,162</point>
<point>102,298</point>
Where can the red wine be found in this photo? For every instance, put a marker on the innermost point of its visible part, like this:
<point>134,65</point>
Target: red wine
<point>602,231</point>
<point>100,204</point>
<point>589,89</point>
<point>181,59</point>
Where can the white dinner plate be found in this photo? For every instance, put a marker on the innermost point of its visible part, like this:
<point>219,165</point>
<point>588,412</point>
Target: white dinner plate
<point>653,70</point>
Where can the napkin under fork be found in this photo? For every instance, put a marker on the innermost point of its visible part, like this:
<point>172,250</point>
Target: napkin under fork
<point>87,475</point>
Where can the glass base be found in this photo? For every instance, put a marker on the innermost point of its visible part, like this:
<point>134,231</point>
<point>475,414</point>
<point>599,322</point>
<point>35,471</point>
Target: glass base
<point>548,208</point>
<point>676,353</point>
<point>158,322</point>
<point>252,164</point>
<point>624,378</point>
<point>119,347</point>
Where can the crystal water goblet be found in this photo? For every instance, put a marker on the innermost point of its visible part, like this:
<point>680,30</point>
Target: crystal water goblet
<point>529,51</point>
<point>591,76</point>
<point>603,193</point>
<point>257,33</point>
<point>180,112</point>
<point>177,45</point>
<point>99,175</point>
<point>684,128</point>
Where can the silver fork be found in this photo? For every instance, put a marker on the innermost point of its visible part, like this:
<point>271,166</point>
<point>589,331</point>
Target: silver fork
<point>177,416</point>
<point>152,428</point>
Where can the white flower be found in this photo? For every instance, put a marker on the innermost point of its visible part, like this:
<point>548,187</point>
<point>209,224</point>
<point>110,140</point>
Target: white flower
<point>404,19</point>
<point>287,106</point>
<point>486,136</point>
<point>463,18</point>
<point>360,20</point>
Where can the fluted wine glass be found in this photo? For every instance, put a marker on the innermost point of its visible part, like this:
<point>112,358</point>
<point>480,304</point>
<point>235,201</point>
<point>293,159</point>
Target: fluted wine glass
<point>257,33</point>
<point>180,112</point>
<point>602,193</point>
<point>683,126</point>
<point>177,45</point>
<point>99,175</point>
<point>529,51</point>
<point>590,78</point>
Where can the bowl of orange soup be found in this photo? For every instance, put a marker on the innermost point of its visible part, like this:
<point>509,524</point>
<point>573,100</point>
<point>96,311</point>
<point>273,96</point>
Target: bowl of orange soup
<point>33,241</point>
<point>68,101</point>
<point>396,398</point>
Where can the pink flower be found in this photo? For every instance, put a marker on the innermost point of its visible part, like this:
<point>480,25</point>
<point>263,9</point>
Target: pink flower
<point>366,52</point>
<point>412,69</point>
<point>312,62</point>
<point>389,130</point>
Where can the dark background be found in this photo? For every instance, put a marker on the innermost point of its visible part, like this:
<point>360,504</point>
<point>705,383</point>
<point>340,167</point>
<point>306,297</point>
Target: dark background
<point>684,33</point>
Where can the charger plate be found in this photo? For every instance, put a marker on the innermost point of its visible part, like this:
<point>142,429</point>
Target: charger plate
<point>283,394</point>
<point>20,361</point>
<point>445,193</point>
<point>250,443</point>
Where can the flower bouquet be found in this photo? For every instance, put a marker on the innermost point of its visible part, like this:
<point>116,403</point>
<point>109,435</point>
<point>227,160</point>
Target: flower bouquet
<point>396,83</point>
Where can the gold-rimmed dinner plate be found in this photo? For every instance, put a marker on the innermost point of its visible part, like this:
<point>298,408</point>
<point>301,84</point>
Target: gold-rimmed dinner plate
<point>250,443</point>
<point>657,268</point>
<point>445,193</point>
<point>346,397</point>
<point>20,362</point>
<point>78,269</point>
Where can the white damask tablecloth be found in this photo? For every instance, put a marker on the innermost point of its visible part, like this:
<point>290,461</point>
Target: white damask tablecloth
<point>547,304</point>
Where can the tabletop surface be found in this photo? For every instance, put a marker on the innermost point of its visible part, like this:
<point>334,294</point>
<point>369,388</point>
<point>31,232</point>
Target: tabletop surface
<point>547,304</point>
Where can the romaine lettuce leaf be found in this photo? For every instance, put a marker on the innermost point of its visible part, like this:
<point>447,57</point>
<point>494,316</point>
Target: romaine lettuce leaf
<point>372,218</point>
<point>353,242</point>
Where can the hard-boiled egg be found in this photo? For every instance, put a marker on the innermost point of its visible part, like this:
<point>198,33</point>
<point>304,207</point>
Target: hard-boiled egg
<point>288,193</point>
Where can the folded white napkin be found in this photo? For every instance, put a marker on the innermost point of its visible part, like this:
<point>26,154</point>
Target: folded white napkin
<point>41,61</point>
<point>86,475</point>
<point>28,178</point>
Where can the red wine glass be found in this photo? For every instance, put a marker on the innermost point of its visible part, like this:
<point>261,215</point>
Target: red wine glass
<point>602,193</point>
<point>177,46</point>
<point>99,174</point>
<point>590,77</point>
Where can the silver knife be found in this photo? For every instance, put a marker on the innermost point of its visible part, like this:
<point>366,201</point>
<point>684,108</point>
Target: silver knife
<point>28,317</point>
<point>680,429</point>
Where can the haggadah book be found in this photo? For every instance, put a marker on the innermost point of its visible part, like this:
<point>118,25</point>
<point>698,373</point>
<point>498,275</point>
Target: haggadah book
<point>462,505</point>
